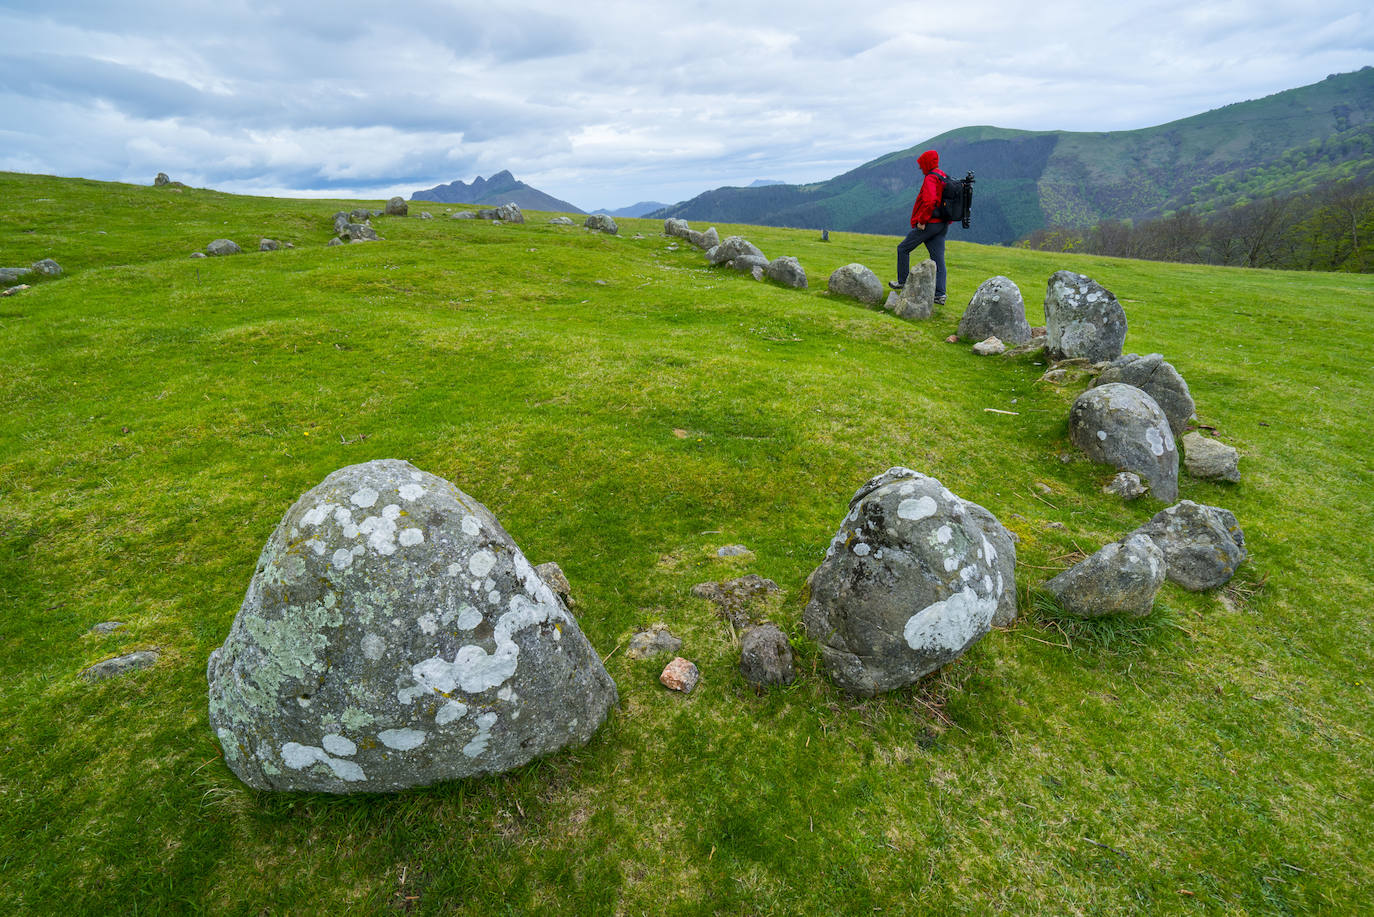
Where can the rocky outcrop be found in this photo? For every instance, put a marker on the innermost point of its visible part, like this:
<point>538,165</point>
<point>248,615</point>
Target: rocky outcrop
<point>856,282</point>
<point>393,635</point>
<point>733,249</point>
<point>1083,319</point>
<point>913,578</point>
<point>996,310</point>
<point>1156,376</point>
<point>1121,578</point>
<point>1120,425</point>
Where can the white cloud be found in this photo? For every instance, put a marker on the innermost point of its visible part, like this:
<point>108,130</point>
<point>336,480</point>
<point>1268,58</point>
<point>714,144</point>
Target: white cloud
<point>605,103</point>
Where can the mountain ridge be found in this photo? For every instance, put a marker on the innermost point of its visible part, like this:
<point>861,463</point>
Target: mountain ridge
<point>1027,180</point>
<point>501,188</point>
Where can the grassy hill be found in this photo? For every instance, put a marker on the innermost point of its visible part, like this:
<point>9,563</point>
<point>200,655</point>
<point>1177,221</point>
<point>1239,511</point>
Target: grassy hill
<point>1290,141</point>
<point>625,410</point>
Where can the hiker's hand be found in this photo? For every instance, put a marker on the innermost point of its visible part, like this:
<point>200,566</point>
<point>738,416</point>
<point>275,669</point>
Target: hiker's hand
<point>920,226</point>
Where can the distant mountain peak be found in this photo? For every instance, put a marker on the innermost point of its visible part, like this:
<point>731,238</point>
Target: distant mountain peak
<point>501,188</point>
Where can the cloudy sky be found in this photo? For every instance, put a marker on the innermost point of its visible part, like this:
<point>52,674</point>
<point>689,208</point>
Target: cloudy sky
<point>602,102</point>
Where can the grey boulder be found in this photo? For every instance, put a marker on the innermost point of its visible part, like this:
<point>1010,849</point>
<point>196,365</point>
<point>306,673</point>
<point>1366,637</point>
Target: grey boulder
<point>48,268</point>
<point>397,207</point>
<point>509,213</point>
<point>916,299</point>
<point>1121,578</point>
<point>1120,425</point>
<point>13,274</point>
<point>223,247</point>
<point>556,221</point>
<point>766,657</point>
<point>1083,319</point>
<point>1210,460</point>
<point>601,222</point>
<point>1152,373</point>
<point>912,579</point>
<point>856,282</point>
<point>393,635</point>
<point>734,248</point>
<point>162,179</point>
<point>996,310</point>
<point>787,271</point>
<point>268,245</point>
<point>358,232</point>
<point>1203,545</point>
<point>675,227</point>
<point>706,240</point>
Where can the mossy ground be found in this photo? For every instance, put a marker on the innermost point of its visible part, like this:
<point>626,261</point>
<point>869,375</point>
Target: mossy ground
<point>624,410</point>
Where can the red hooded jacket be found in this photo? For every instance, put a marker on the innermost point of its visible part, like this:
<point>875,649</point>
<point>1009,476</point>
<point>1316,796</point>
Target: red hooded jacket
<point>923,211</point>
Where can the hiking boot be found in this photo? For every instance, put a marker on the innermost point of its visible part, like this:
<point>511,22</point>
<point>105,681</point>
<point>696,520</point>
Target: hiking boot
<point>895,285</point>
<point>939,300</point>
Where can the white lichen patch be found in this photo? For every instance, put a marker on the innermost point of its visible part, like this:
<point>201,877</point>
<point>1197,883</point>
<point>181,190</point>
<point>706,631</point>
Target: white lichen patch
<point>474,670</point>
<point>428,623</point>
<point>1102,435</point>
<point>472,526</point>
<point>381,530</point>
<point>411,492</point>
<point>468,617</point>
<point>507,694</point>
<point>336,744</point>
<point>402,739</point>
<point>373,647</point>
<point>916,508</point>
<point>365,498</point>
<point>861,549</point>
<point>1155,441</point>
<point>298,757</point>
<point>478,744</point>
<point>450,712</point>
<point>950,625</point>
<point>409,538</point>
<point>481,563</point>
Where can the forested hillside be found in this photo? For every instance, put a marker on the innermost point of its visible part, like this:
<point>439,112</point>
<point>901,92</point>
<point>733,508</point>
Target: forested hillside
<point>1026,181</point>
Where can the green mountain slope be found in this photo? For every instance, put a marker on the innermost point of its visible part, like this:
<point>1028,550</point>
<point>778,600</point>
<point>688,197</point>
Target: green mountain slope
<point>1030,179</point>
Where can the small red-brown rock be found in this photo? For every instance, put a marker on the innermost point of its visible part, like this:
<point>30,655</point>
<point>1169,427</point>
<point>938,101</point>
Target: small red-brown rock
<point>952,339</point>
<point>680,675</point>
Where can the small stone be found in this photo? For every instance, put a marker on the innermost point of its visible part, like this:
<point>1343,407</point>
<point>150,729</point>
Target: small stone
<point>10,291</point>
<point>1126,485</point>
<point>335,241</point>
<point>107,627</point>
<point>48,268</point>
<point>120,665</point>
<point>426,215</point>
<point>1121,578</point>
<point>766,656</point>
<point>223,247</point>
<point>734,598</point>
<point>733,550</point>
<point>553,577</point>
<point>649,643</point>
<point>1210,459</point>
<point>680,675</point>
<point>1044,488</point>
<point>268,245</point>
<point>989,347</point>
<point>952,339</point>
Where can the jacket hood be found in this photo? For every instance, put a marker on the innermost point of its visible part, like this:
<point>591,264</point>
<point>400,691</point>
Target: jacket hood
<point>928,161</point>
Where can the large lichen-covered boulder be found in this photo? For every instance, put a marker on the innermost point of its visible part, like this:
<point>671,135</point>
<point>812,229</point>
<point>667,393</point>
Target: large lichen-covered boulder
<point>912,579</point>
<point>996,310</point>
<point>1120,425</point>
<point>1203,545</point>
<point>1083,319</point>
<point>676,227</point>
<point>1121,578</point>
<point>395,636</point>
<point>856,282</point>
<point>1156,376</point>
<point>706,240</point>
<point>397,207</point>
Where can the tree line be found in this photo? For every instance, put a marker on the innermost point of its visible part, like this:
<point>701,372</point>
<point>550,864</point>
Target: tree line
<point>1330,229</point>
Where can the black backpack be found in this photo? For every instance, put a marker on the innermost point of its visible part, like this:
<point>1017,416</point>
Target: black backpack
<point>956,199</point>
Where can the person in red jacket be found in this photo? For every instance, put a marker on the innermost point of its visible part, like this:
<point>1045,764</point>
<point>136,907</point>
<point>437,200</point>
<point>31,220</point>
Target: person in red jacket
<point>926,228</point>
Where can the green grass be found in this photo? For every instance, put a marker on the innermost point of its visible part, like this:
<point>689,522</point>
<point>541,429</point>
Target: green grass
<point>160,414</point>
